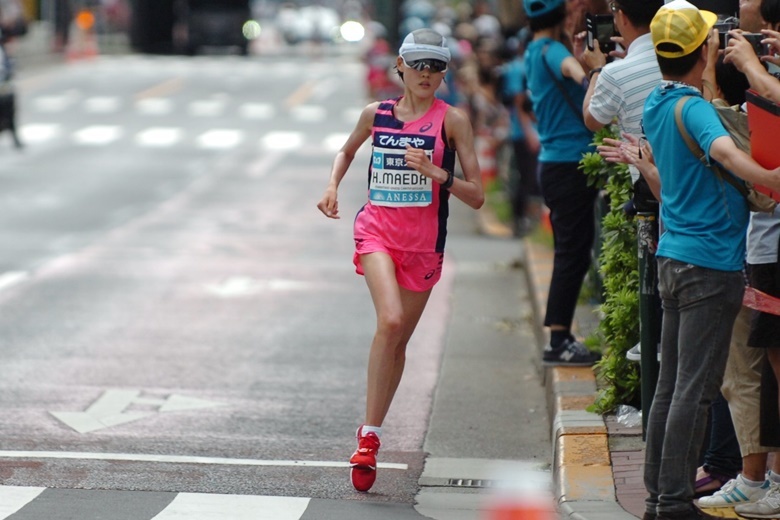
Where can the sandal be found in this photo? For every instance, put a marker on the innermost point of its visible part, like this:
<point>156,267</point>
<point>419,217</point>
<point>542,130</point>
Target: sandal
<point>708,482</point>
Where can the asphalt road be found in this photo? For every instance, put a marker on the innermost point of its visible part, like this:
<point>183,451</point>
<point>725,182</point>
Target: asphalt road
<point>178,320</point>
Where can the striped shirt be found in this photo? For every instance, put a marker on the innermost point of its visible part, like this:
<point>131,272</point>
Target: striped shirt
<point>623,86</point>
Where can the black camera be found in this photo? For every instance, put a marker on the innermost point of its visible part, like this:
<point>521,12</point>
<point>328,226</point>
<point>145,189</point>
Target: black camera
<point>601,27</point>
<point>761,49</point>
<point>723,28</point>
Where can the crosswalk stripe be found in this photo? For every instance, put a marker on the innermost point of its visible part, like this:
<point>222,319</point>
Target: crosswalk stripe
<point>220,139</point>
<point>257,111</point>
<point>12,499</point>
<point>334,142</point>
<point>309,113</point>
<point>55,103</point>
<point>154,106</point>
<point>201,108</point>
<point>282,140</point>
<point>164,137</point>
<point>198,506</point>
<point>159,137</point>
<point>206,107</point>
<point>38,133</point>
<point>102,104</point>
<point>97,134</point>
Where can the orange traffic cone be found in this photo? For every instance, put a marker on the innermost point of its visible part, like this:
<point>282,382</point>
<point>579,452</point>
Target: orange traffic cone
<point>82,42</point>
<point>521,495</point>
<point>520,510</point>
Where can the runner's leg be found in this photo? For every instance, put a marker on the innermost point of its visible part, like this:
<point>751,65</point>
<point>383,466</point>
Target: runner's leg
<point>398,311</point>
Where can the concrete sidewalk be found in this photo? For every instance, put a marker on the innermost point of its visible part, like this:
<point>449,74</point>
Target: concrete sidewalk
<point>597,463</point>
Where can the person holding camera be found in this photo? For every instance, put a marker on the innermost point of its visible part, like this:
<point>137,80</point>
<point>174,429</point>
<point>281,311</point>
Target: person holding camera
<point>753,57</point>
<point>557,82</point>
<point>618,90</point>
<point>700,256</point>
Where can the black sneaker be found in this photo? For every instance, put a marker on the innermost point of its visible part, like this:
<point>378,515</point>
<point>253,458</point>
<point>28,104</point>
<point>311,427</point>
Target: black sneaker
<point>570,353</point>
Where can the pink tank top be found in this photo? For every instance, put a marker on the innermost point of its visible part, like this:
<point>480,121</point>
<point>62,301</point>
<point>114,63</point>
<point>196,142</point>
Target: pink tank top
<point>406,210</point>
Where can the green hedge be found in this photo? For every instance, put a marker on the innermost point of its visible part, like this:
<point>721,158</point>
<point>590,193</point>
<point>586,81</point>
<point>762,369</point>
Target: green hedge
<point>618,328</point>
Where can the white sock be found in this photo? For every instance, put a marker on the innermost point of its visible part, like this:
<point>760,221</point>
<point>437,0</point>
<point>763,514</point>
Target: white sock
<point>773,477</point>
<point>751,483</point>
<point>377,430</point>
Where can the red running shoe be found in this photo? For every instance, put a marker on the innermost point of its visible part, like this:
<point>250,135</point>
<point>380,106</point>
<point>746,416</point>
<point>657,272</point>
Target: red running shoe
<point>363,461</point>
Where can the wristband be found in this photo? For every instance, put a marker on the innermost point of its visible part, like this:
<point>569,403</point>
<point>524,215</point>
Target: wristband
<point>450,179</point>
<point>594,71</point>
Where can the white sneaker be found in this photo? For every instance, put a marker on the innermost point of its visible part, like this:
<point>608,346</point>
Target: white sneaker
<point>735,491</point>
<point>767,507</point>
<point>635,353</point>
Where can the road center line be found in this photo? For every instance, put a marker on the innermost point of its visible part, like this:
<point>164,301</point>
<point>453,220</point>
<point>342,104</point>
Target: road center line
<point>184,459</point>
<point>300,95</point>
<point>163,89</point>
<point>10,278</point>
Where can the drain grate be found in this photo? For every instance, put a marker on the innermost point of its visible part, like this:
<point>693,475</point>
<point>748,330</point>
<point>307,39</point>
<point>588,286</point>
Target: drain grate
<point>470,483</point>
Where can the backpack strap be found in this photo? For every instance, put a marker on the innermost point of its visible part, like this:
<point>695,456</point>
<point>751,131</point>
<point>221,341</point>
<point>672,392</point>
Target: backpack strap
<point>696,150</point>
<point>561,88</point>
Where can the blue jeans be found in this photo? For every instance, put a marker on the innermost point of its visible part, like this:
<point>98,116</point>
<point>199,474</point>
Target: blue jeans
<point>700,306</point>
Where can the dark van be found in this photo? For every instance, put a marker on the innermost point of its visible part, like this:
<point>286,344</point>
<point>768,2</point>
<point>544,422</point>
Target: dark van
<point>215,24</point>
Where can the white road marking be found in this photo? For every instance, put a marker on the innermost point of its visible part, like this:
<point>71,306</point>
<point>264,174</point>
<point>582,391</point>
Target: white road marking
<point>309,113</point>
<point>11,278</point>
<point>159,137</point>
<point>184,459</point>
<point>110,409</point>
<point>237,286</point>
<point>325,89</point>
<point>263,165</point>
<point>352,115</point>
<point>200,506</point>
<point>220,139</point>
<point>39,132</point>
<point>12,499</point>
<point>282,141</point>
<point>257,111</point>
<point>334,142</point>
<point>206,108</point>
<point>97,135</point>
<point>154,106</point>
<point>56,103</point>
<point>102,104</point>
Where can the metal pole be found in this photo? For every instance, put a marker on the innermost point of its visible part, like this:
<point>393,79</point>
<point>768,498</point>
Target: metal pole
<point>649,309</point>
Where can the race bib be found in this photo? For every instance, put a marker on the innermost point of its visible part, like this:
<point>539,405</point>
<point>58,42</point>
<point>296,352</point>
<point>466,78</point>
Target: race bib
<point>395,184</point>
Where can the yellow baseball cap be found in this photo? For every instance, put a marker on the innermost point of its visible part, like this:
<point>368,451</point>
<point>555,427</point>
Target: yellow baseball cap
<point>680,28</point>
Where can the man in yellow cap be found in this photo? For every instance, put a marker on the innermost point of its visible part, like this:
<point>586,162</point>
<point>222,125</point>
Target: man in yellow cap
<point>700,255</point>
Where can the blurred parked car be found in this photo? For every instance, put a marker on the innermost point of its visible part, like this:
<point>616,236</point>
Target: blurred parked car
<point>313,23</point>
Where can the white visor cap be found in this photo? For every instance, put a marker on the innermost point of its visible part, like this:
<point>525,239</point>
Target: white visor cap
<point>425,44</point>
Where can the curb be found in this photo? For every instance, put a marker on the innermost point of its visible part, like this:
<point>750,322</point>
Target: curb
<point>582,465</point>
<point>584,484</point>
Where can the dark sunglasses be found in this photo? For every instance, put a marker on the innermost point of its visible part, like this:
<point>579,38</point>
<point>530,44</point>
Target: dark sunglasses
<point>430,63</point>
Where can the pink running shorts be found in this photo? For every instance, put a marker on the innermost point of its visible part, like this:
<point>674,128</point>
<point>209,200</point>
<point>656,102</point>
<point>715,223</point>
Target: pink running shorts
<point>417,272</point>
